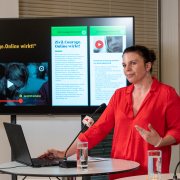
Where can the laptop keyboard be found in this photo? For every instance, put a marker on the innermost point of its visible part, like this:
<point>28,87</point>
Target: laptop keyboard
<point>44,162</point>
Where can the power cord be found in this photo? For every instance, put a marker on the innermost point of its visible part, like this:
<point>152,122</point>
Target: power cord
<point>175,176</point>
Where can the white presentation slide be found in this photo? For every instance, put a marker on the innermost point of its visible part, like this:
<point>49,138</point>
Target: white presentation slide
<point>106,70</point>
<point>69,70</point>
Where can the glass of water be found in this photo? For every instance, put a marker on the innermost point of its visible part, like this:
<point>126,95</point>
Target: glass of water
<point>82,156</point>
<point>154,164</point>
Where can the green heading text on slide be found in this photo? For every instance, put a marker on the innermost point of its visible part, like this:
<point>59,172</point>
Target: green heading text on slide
<point>107,30</point>
<point>69,31</point>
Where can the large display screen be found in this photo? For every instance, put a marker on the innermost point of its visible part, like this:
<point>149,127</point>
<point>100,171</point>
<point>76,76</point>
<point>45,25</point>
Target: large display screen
<point>61,65</point>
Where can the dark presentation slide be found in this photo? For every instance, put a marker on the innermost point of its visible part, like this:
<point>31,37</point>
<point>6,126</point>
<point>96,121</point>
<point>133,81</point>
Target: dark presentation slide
<point>24,64</point>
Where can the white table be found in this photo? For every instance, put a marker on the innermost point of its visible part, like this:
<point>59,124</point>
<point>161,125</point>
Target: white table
<point>111,166</point>
<point>144,177</point>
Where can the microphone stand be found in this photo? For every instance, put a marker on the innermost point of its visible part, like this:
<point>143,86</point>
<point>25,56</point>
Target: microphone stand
<point>67,164</point>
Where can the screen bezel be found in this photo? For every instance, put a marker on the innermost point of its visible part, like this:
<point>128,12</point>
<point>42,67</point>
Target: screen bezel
<point>41,23</point>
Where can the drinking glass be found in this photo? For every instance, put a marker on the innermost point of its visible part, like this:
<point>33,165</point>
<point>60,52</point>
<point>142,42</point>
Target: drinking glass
<point>154,164</point>
<point>82,156</point>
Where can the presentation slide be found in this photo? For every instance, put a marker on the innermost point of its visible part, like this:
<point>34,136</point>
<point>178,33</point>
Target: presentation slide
<point>107,44</point>
<point>24,84</point>
<point>69,66</point>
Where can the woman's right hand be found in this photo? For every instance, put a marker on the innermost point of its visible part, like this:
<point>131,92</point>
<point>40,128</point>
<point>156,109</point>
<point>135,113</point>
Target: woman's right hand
<point>55,154</point>
<point>52,154</point>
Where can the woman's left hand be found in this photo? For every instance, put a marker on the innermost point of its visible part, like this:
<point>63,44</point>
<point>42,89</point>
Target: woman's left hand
<point>152,137</point>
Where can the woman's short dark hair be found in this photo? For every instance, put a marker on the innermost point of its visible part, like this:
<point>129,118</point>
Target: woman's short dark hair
<point>148,55</point>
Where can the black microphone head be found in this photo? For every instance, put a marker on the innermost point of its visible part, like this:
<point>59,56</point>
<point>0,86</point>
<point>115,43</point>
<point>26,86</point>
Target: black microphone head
<point>103,106</point>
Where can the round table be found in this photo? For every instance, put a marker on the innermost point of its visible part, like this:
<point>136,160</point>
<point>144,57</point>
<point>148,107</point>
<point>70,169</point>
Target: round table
<point>110,166</point>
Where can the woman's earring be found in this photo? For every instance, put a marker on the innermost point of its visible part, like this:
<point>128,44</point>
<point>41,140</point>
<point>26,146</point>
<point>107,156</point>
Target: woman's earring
<point>147,73</point>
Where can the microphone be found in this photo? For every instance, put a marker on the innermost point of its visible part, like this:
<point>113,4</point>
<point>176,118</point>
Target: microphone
<point>88,121</point>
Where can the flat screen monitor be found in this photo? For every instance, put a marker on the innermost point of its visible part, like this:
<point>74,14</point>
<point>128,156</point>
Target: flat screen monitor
<point>61,65</point>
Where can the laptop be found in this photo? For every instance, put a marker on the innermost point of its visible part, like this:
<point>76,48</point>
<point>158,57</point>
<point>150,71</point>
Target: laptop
<point>20,149</point>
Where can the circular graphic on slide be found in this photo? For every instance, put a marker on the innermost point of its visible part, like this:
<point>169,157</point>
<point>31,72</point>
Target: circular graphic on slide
<point>99,44</point>
<point>41,68</point>
<point>83,32</point>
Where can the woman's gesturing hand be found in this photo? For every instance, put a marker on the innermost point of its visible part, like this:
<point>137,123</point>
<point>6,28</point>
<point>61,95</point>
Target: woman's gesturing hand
<point>152,137</point>
<point>52,154</point>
